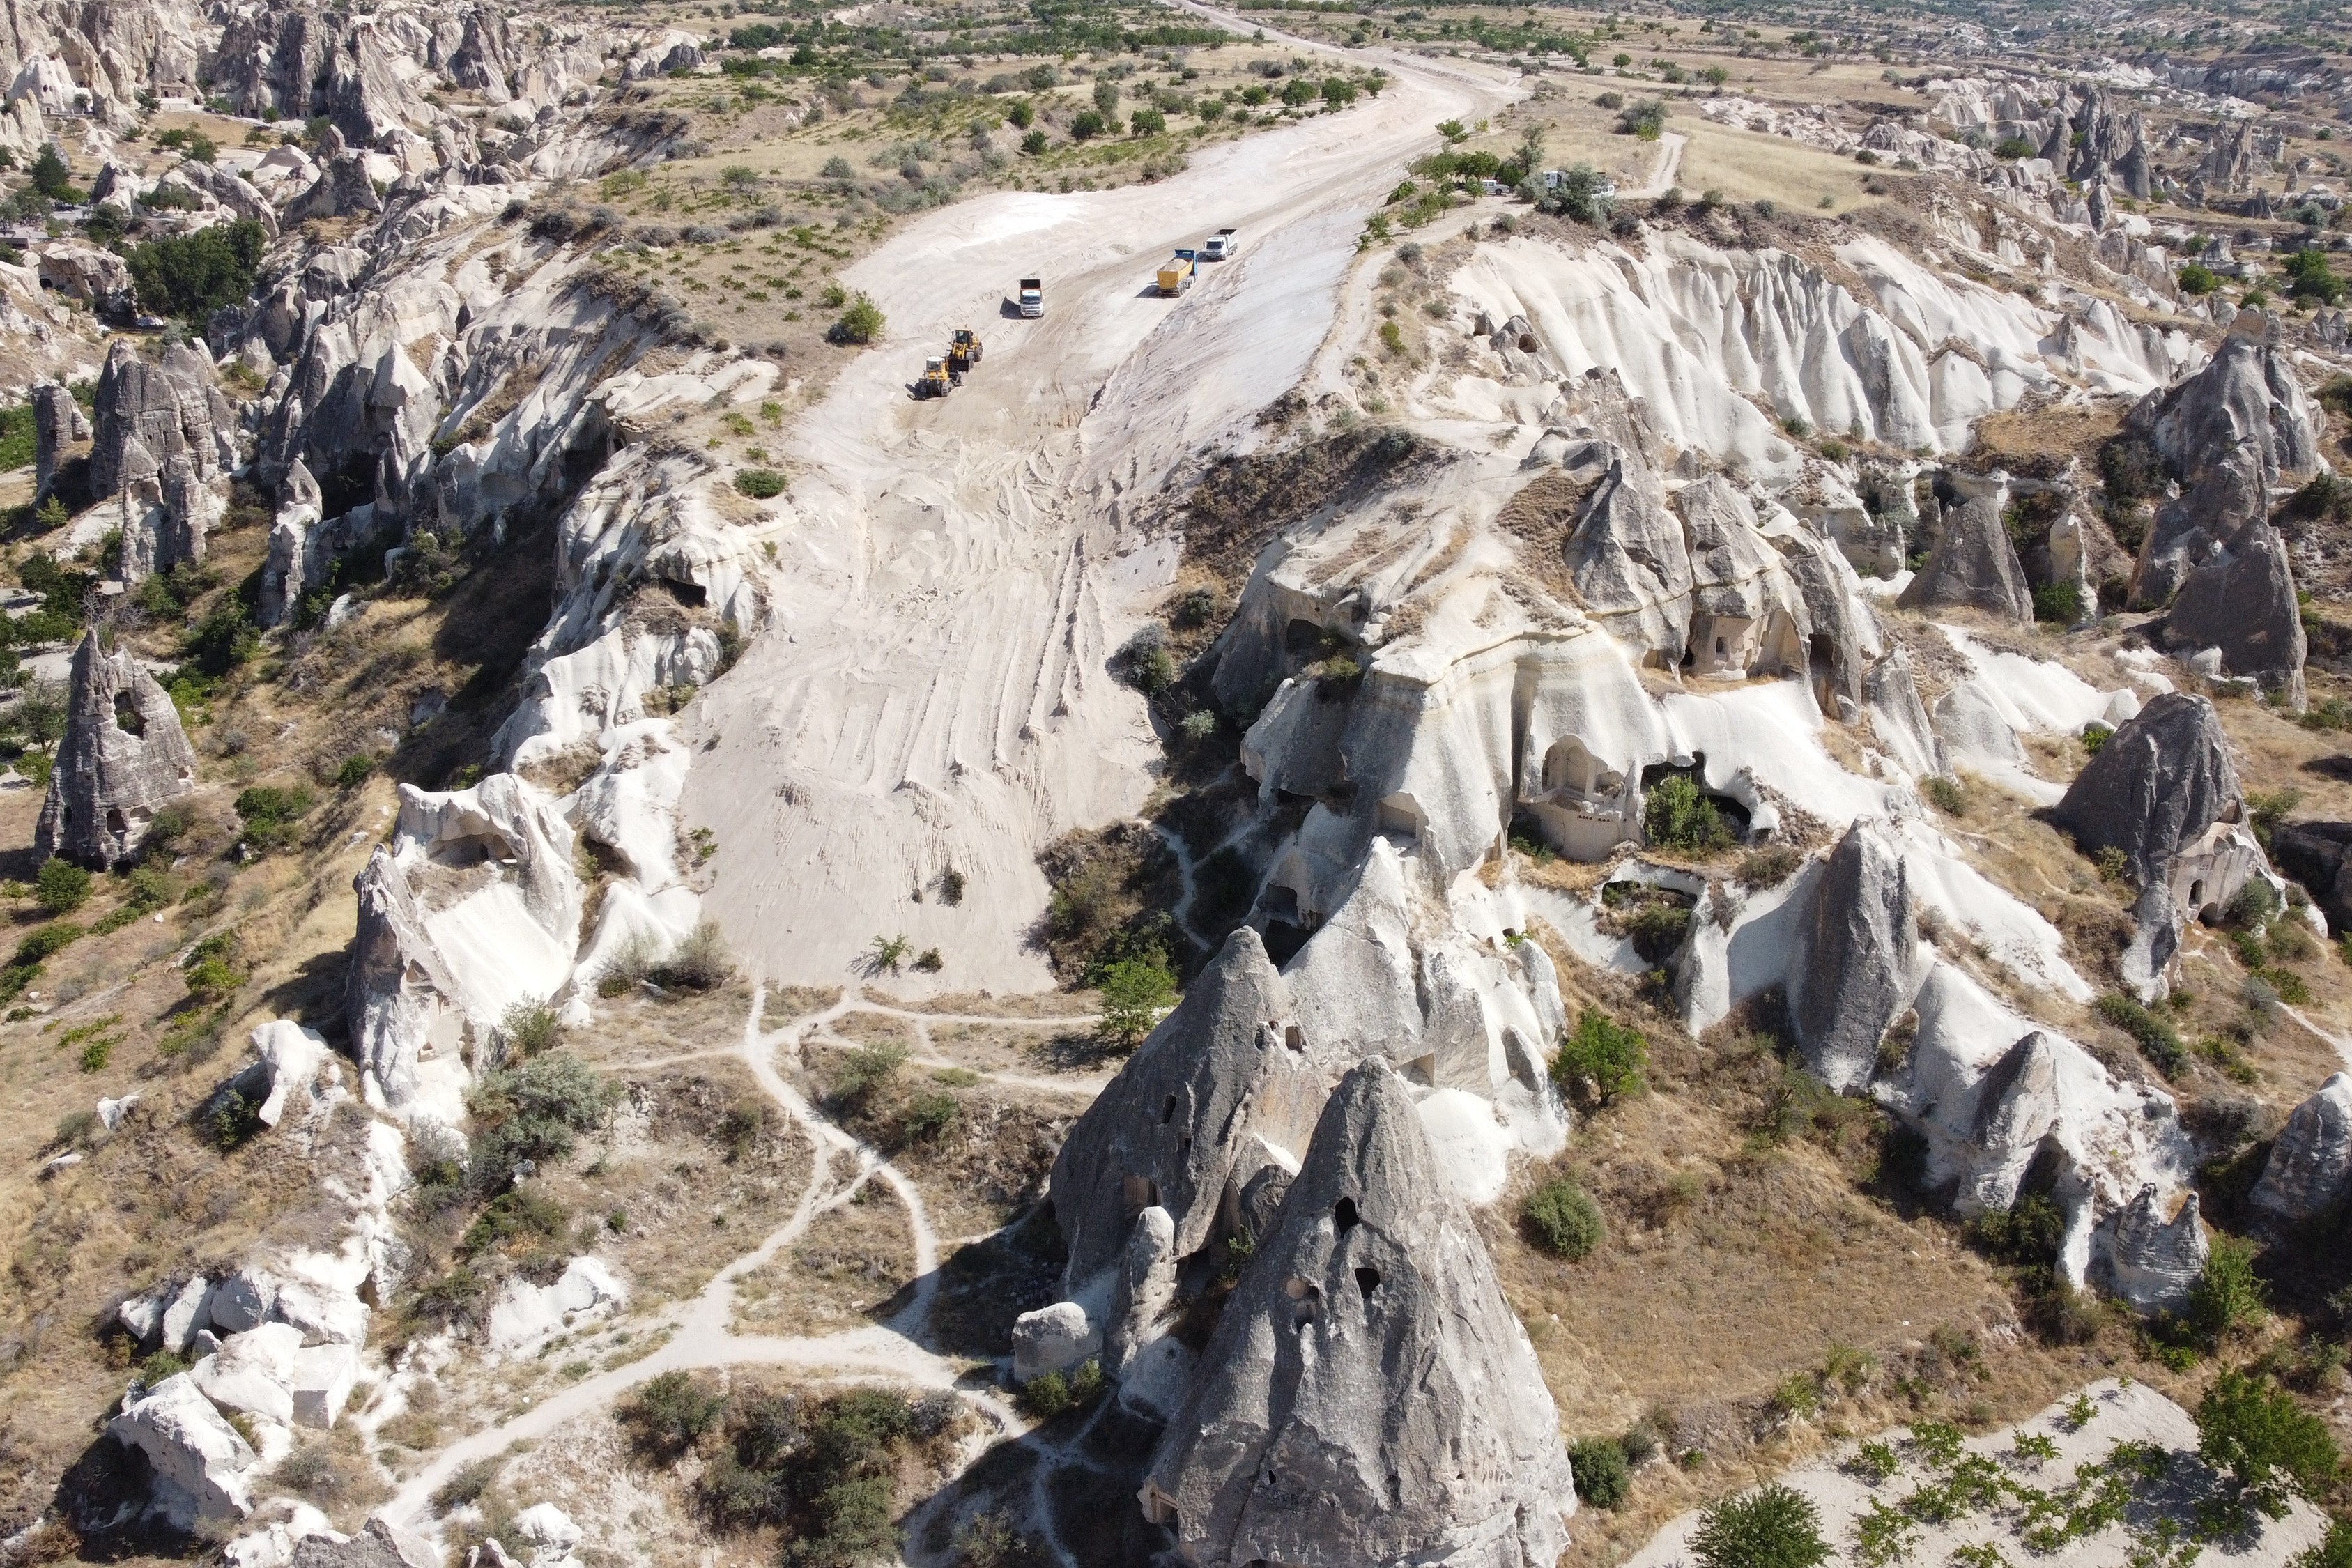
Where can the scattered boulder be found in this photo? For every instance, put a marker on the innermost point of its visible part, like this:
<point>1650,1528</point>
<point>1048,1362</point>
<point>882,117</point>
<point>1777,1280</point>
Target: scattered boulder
<point>1054,1338</point>
<point>382,1544</point>
<point>1374,1398</point>
<point>291,1055</point>
<point>1973,564</point>
<point>2241,601</point>
<point>1181,1126</point>
<point>201,1465</point>
<point>343,187</point>
<point>1861,961</point>
<point>122,758</point>
<point>525,1313</point>
<point>2153,1261</point>
<point>2310,1163</point>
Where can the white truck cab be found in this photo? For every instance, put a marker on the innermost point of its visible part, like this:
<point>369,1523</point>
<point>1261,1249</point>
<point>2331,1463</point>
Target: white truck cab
<point>1033,296</point>
<point>1221,246</point>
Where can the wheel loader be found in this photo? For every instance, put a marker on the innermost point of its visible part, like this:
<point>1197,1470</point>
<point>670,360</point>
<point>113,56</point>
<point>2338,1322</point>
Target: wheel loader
<point>936,382</point>
<point>963,350</point>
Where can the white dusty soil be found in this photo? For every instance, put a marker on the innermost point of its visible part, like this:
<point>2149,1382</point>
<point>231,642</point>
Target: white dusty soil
<point>930,692</point>
<point>2126,1413</point>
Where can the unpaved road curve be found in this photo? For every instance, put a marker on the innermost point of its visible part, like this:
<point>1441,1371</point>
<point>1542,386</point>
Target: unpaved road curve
<point>931,692</point>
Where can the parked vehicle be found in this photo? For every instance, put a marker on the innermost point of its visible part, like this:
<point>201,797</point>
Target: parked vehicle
<point>1033,296</point>
<point>1176,273</point>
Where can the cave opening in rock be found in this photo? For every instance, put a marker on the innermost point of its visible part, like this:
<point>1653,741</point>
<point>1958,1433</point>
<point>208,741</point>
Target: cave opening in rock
<point>1343,1215</point>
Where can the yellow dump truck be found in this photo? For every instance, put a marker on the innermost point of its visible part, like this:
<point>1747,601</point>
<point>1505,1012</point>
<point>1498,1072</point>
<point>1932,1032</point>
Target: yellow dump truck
<point>1176,274</point>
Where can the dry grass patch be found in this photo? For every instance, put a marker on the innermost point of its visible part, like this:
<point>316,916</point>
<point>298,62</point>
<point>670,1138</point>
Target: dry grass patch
<point>845,1271</point>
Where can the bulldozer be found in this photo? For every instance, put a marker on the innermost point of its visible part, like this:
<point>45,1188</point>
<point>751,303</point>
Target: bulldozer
<point>963,350</point>
<point>936,382</point>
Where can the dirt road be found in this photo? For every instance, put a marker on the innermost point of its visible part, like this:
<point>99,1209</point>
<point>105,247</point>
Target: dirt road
<point>931,692</point>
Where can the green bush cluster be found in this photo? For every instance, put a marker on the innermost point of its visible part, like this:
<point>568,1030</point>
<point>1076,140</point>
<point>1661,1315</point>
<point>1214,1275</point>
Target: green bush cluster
<point>2157,1040</point>
<point>1562,1218</point>
<point>1603,1053</point>
<point>535,1112</point>
<point>1678,816</point>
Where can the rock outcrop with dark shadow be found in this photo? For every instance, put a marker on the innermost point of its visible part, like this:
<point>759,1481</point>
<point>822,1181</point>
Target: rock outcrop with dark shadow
<point>1369,1397</point>
<point>1973,566</point>
<point>2241,602</point>
<point>2155,786</point>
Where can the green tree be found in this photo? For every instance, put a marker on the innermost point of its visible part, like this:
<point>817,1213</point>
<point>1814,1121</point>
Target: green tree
<point>670,1412</point>
<point>1772,1527</point>
<point>1678,816</point>
<point>60,887</point>
<point>2197,279</point>
<point>1602,1052</point>
<point>193,275</point>
<point>2269,1446</point>
<point>1023,115</point>
<point>860,323</point>
<point>1107,99</point>
<point>2228,1297</point>
<point>1602,1476</point>
<point>50,175</point>
<point>1135,992</point>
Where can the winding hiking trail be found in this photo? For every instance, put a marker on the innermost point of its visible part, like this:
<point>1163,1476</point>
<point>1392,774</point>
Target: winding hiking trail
<point>701,1331</point>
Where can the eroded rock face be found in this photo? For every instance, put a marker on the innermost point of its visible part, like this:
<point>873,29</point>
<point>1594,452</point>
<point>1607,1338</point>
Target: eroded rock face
<point>2315,855</point>
<point>58,423</point>
<point>1374,1400</point>
<point>123,758</point>
<point>202,1465</point>
<point>2153,1261</point>
<point>170,407</point>
<point>1973,566</point>
<point>1861,962</point>
<point>1629,561</point>
<point>473,908</point>
<point>1186,1118</point>
<point>2229,433</point>
<point>2241,601</point>
<point>2158,784</point>
<point>2311,1161</point>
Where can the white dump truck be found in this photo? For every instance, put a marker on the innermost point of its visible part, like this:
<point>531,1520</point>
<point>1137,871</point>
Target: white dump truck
<point>1033,296</point>
<point>1221,246</point>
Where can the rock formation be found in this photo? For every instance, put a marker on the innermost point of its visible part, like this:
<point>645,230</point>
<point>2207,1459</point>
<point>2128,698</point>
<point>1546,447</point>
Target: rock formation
<point>2153,1261</point>
<point>2311,1161</point>
<point>2241,601</point>
<point>2158,784</point>
<point>1207,1100</point>
<point>2315,855</point>
<point>474,906</point>
<point>58,423</point>
<point>170,407</point>
<point>202,1465</point>
<point>1860,962</point>
<point>1972,565</point>
<point>1374,1400</point>
<point>2229,433</point>
<point>2108,145</point>
<point>1629,561</point>
<point>123,758</point>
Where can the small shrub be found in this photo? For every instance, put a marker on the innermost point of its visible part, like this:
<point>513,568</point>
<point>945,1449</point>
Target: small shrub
<point>929,1116</point>
<point>669,1413</point>
<point>60,887</point>
<point>699,962</point>
<point>1602,1476</point>
<point>2058,601</point>
<point>2157,1040</point>
<point>1562,1218</point>
<point>886,954</point>
<point>529,1027</point>
<point>465,1486</point>
<point>1772,1527</point>
<point>866,1068</point>
<point>2095,735</point>
<point>355,770</point>
<point>760,484</point>
<point>1945,794</point>
<point>1768,867</point>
